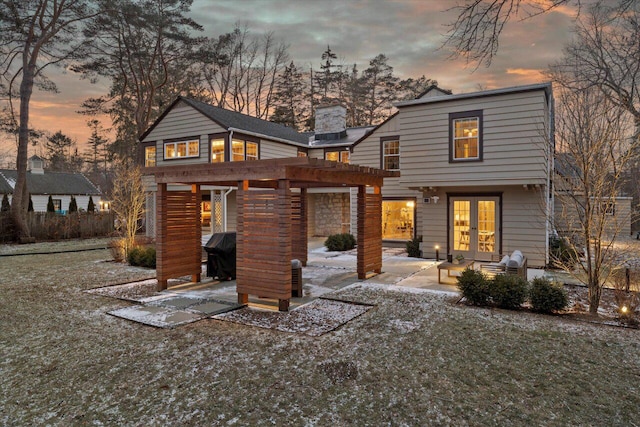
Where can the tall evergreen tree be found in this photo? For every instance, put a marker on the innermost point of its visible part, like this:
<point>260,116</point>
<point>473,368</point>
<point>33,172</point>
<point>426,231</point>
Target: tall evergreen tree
<point>30,208</point>
<point>73,205</point>
<point>289,98</point>
<point>380,85</point>
<point>60,154</point>
<point>91,207</point>
<point>50,207</point>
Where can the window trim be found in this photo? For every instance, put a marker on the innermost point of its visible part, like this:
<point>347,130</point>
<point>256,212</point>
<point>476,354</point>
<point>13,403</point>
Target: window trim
<point>155,155</point>
<point>177,141</point>
<point>466,115</point>
<point>225,138</point>
<point>244,139</point>
<point>382,156</point>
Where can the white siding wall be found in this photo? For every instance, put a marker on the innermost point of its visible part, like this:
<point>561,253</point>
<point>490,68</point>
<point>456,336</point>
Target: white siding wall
<point>40,201</point>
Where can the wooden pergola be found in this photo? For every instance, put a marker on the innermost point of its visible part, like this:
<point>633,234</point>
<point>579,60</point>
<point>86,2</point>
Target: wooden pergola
<point>272,219</point>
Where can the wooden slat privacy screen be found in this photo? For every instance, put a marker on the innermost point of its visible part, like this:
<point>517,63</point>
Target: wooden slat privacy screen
<point>299,226</point>
<point>263,252</point>
<point>178,235</point>
<point>369,232</point>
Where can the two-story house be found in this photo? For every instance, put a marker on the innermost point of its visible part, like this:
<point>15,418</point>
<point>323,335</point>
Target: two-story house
<point>474,168</point>
<point>475,171</point>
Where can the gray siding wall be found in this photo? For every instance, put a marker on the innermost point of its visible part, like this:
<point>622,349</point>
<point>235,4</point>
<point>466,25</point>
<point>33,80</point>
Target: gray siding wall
<point>513,133</point>
<point>276,150</point>
<point>566,220</point>
<point>523,222</point>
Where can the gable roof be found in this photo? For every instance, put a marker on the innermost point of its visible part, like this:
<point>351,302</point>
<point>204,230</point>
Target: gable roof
<point>232,120</point>
<point>515,89</point>
<point>434,88</point>
<point>49,183</point>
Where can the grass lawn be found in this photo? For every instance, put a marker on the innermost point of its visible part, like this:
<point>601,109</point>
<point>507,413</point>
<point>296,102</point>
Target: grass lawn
<point>415,359</point>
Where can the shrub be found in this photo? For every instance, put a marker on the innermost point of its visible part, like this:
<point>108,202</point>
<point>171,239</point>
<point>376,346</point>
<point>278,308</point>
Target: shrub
<point>6,207</point>
<point>30,207</point>
<point>547,297</point>
<point>50,207</point>
<point>73,205</point>
<point>413,247</point>
<point>340,242</point>
<point>474,287</point>
<point>142,256</point>
<point>562,253</point>
<point>508,291</point>
<point>117,249</point>
<point>91,207</point>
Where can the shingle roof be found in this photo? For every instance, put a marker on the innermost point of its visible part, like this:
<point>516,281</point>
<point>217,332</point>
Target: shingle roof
<point>353,134</point>
<point>49,183</point>
<point>242,122</point>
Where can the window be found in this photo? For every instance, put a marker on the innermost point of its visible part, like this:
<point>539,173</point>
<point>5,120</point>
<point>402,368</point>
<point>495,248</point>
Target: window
<point>609,208</point>
<point>57,204</point>
<point>337,156</point>
<point>180,149</point>
<point>398,219</point>
<point>150,156</point>
<point>391,155</point>
<point>465,136</point>
<point>251,151</point>
<point>302,153</point>
<point>244,150</point>
<point>217,150</point>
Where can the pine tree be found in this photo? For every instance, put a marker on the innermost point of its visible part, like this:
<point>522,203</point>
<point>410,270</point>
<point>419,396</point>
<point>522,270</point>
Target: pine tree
<point>6,207</point>
<point>91,207</point>
<point>73,205</point>
<point>380,85</point>
<point>289,98</point>
<point>30,208</point>
<point>59,153</point>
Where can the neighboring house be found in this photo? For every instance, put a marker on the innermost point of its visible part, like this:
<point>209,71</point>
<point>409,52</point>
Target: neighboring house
<point>475,168</point>
<point>618,214</point>
<point>59,185</point>
<point>474,171</point>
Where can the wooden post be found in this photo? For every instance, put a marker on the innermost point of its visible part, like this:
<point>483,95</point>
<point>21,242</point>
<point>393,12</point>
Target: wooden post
<point>161,234</point>
<point>243,187</point>
<point>197,199</point>
<point>361,241</point>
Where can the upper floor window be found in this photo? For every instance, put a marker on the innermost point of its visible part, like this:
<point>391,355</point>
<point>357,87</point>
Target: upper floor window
<point>465,136</point>
<point>302,153</point>
<point>217,150</point>
<point>244,150</point>
<point>609,208</point>
<point>391,154</point>
<point>337,156</point>
<point>181,149</point>
<point>150,156</point>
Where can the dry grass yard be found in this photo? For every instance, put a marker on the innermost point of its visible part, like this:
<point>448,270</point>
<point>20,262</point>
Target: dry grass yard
<point>414,359</point>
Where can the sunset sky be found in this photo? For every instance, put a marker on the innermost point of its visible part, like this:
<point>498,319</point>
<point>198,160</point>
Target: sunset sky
<point>409,33</point>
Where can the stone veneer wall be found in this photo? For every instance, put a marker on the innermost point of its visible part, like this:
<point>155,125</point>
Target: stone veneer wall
<point>329,213</point>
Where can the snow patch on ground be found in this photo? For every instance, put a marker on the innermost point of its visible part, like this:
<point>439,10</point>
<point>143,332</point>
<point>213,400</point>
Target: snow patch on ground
<point>314,319</point>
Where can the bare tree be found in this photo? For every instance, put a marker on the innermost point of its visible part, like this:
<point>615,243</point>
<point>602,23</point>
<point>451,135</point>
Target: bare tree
<point>127,202</point>
<point>143,47</point>
<point>34,35</point>
<point>475,34</point>
<point>243,71</point>
<point>594,147</point>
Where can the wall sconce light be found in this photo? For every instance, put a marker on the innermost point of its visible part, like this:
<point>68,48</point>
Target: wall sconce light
<point>435,199</point>
<point>437,252</point>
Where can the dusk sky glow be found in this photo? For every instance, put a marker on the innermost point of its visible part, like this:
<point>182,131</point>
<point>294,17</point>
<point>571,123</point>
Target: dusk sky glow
<point>409,32</point>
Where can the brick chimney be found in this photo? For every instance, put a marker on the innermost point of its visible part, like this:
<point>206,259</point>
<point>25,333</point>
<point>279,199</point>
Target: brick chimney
<point>331,122</point>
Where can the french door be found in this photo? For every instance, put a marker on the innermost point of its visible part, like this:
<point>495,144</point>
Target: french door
<point>474,231</point>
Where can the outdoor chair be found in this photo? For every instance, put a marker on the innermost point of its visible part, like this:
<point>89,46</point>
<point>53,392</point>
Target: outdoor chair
<point>516,264</point>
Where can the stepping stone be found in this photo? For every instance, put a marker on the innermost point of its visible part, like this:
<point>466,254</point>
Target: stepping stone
<point>160,317</point>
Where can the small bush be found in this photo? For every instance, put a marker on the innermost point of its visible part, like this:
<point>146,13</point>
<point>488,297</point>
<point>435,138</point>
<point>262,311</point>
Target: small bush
<point>117,249</point>
<point>546,297</point>
<point>340,242</point>
<point>562,253</point>
<point>413,247</point>
<point>474,287</point>
<point>142,256</point>
<point>508,291</point>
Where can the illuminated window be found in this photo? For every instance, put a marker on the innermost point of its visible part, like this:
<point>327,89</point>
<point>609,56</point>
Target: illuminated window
<point>181,149</point>
<point>217,150</point>
<point>57,204</point>
<point>302,154</point>
<point>465,136</point>
<point>150,156</point>
<point>391,155</point>
<point>337,156</point>
<point>398,219</point>
<point>244,150</point>
<point>251,151</point>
